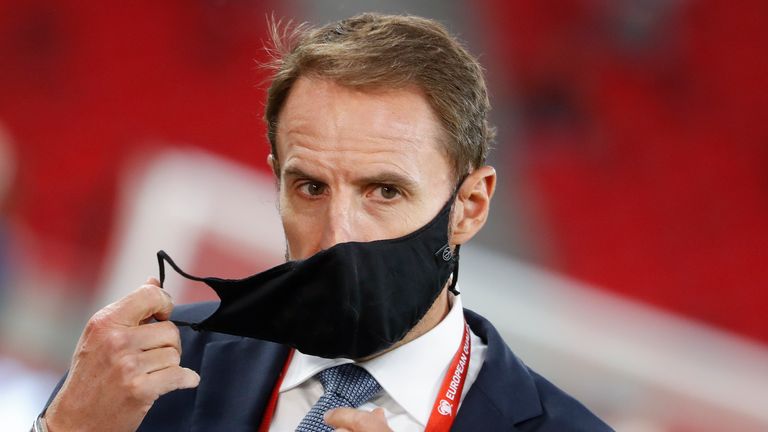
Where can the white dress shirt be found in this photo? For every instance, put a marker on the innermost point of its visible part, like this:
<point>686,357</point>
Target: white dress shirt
<point>410,376</point>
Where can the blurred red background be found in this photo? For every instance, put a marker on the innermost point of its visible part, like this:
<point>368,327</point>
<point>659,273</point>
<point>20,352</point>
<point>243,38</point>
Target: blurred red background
<point>645,139</point>
<point>632,154</point>
<point>642,131</point>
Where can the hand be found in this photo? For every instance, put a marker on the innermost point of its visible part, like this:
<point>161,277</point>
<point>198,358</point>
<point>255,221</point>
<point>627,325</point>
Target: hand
<point>122,364</point>
<point>355,420</point>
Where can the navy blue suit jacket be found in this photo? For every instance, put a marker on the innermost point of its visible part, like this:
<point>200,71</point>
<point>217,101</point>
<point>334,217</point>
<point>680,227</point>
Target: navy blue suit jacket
<point>237,376</point>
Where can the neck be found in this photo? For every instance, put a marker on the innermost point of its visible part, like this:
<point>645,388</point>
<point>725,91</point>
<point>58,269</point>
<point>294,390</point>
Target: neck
<point>436,313</point>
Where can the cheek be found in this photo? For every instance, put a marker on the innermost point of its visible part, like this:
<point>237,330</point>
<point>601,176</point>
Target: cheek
<point>302,232</point>
<point>405,222</point>
<point>395,222</point>
<point>296,236</point>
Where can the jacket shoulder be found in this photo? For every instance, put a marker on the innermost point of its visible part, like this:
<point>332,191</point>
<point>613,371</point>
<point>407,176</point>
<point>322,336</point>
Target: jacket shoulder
<point>561,411</point>
<point>512,394</point>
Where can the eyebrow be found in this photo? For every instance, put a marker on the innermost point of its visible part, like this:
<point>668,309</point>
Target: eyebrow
<point>294,171</point>
<point>390,177</point>
<point>384,177</point>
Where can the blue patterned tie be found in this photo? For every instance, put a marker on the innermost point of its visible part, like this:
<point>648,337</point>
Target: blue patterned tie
<point>346,385</point>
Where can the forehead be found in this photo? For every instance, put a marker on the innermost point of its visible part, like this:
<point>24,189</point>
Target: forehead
<point>320,114</point>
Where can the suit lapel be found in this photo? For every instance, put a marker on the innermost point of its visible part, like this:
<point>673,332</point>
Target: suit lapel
<point>504,392</point>
<point>478,412</point>
<point>236,380</point>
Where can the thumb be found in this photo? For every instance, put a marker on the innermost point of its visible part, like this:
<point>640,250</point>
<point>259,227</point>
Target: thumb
<point>145,302</point>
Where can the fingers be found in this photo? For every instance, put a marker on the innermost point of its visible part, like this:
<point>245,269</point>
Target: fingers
<point>147,301</point>
<point>166,380</point>
<point>157,359</point>
<point>342,417</point>
<point>155,335</point>
<point>123,362</point>
<point>355,420</point>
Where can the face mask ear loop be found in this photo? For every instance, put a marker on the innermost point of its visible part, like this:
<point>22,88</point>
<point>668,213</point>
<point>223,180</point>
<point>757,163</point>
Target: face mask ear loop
<point>162,258</point>
<point>455,280</point>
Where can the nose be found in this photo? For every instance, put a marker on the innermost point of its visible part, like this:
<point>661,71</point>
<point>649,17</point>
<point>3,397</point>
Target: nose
<point>339,217</point>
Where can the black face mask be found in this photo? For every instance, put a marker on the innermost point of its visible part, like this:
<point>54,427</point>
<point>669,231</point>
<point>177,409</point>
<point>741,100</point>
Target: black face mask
<point>352,300</point>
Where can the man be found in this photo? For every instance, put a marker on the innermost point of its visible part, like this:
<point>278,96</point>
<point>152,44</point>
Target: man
<point>378,130</point>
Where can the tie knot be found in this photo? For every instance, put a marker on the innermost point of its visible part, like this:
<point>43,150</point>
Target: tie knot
<point>350,382</point>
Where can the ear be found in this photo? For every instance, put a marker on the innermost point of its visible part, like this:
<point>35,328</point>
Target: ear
<point>473,202</point>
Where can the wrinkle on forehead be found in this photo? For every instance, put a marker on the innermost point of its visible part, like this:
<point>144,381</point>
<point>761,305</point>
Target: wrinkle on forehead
<point>345,119</point>
<point>297,136</point>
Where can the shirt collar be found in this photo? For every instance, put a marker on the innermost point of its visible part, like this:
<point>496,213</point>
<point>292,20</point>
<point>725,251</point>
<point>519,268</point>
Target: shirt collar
<point>410,374</point>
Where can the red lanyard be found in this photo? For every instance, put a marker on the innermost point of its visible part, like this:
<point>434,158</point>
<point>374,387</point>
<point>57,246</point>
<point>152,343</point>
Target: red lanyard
<point>446,404</point>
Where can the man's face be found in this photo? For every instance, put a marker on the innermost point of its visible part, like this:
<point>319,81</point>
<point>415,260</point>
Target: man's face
<point>357,166</point>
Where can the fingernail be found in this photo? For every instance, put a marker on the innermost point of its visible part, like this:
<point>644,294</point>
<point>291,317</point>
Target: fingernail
<point>165,291</point>
<point>193,379</point>
<point>167,294</point>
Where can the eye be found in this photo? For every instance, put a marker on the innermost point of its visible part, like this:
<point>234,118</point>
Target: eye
<point>388,192</point>
<point>312,188</point>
